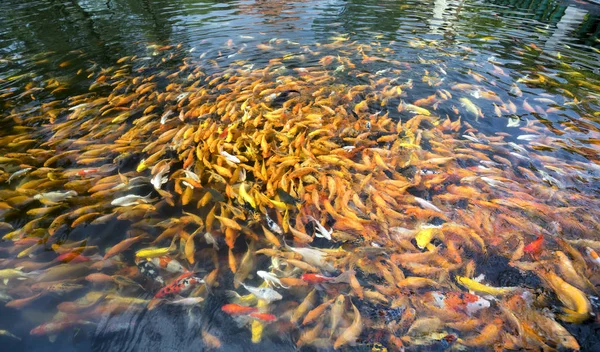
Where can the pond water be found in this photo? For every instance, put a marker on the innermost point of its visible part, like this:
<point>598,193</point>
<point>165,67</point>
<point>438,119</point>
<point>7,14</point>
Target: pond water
<point>420,175</point>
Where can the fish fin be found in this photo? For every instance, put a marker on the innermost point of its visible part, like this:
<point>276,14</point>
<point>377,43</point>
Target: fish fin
<point>19,268</point>
<point>191,318</point>
<point>208,289</point>
<point>52,338</point>
<point>5,282</point>
<point>173,246</point>
<point>241,320</point>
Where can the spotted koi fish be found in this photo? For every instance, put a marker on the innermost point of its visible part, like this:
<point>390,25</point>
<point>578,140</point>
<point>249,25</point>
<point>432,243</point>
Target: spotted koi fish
<point>182,284</point>
<point>169,264</point>
<point>458,301</point>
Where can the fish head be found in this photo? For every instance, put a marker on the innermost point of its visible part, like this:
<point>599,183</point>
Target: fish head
<point>262,274</point>
<point>39,330</point>
<point>568,342</point>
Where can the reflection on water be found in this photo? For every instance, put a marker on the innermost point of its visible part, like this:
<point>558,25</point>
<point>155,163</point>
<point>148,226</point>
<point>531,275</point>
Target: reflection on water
<point>433,142</point>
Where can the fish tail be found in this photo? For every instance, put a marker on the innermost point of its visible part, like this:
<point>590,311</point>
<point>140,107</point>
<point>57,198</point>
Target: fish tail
<point>233,296</point>
<point>344,277</point>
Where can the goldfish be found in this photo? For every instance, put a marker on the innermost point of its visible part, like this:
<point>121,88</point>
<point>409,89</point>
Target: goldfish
<point>74,257</point>
<point>236,309</point>
<point>263,316</point>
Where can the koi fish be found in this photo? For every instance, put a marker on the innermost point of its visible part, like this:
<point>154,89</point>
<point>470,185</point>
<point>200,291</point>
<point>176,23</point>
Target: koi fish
<point>458,301</point>
<point>593,255</point>
<point>154,252</point>
<point>7,274</point>
<point>270,278</point>
<point>18,174</point>
<point>85,172</point>
<point>319,279</point>
<point>55,197</point>
<point>160,178</point>
<point>74,257</point>
<point>479,287</point>
<point>273,225</point>
<point>169,264</point>
<point>471,107</point>
<point>55,327</point>
<point>350,335</point>
<point>180,285</point>
<point>148,269</point>
<point>188,301</point>
<point>321,231</point>
<point>263,293</point>
<point>130,199</point>
<point>121,246</point>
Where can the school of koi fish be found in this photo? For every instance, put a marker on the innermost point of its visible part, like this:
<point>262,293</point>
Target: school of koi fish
<point>321,200</point>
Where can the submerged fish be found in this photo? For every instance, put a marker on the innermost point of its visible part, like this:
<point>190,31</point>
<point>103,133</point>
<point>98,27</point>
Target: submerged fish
<point>263,293</point>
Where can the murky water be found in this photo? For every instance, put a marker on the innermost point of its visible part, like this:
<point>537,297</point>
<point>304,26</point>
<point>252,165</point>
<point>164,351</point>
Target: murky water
<point>519,79</point>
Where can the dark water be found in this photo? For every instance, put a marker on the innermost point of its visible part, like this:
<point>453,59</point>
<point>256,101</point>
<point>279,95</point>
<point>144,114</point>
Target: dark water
<point>546,46</point>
